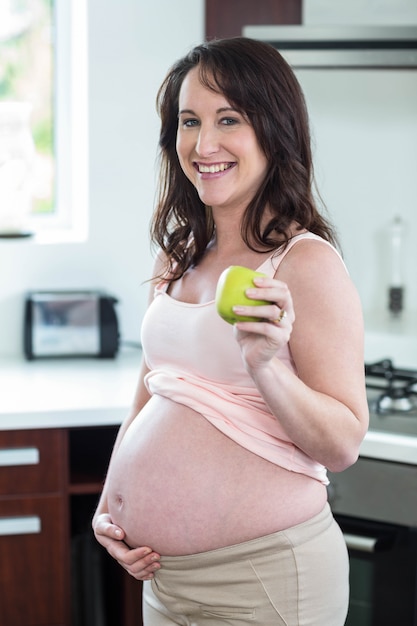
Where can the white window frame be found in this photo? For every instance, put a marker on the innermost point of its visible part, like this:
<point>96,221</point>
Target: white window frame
<point>69,220</point>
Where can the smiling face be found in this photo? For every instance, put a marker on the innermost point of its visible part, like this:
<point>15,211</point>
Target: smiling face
<point>217,147</point>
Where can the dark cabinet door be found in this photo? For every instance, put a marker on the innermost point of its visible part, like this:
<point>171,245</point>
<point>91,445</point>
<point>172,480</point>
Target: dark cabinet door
<point>34,553</point>
<point>33,561</point>
<point>32,461</point>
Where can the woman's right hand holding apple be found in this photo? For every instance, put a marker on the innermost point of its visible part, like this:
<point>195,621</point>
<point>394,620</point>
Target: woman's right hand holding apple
<point>260,340</point>
<point>261,309</point>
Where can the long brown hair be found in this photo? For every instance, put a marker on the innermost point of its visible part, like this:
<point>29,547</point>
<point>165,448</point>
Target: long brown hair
<point>258,82</point>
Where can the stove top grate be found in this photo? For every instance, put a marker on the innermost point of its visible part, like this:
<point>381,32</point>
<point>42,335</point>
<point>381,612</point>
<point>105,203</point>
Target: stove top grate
<point>397,388</point>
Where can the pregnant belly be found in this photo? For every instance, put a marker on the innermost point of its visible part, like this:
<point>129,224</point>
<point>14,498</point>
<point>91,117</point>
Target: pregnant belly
<point>180,486</point>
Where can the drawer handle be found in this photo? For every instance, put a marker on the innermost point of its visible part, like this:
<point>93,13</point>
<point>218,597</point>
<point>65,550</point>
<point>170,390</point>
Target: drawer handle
<point>27,525</point>
<point>360,543</point>
<point>19,456</point>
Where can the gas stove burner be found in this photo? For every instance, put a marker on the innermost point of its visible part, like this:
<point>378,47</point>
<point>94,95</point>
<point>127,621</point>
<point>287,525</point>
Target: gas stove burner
<point>397,387</point>
<point>390,404</point>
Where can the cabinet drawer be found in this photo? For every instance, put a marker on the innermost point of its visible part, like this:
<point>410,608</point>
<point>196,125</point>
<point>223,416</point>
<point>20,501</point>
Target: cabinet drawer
<point>32,461</point>
<point>33,571</point>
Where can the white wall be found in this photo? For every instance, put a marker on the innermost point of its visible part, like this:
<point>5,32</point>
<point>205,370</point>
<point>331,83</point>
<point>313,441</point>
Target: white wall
<point>364,127</point>
<point>365,132</point>
<point>132,44</point>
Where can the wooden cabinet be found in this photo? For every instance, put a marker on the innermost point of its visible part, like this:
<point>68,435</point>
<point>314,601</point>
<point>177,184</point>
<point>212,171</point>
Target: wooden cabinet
<point>33,529</point>
<point>102,593</point>
<point>52,571</point>
<point>226,18</point>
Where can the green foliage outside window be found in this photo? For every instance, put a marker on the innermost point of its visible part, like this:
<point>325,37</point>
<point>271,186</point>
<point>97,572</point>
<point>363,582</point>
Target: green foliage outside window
<point>26,75</point>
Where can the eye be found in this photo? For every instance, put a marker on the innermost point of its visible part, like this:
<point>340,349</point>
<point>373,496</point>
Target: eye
<point>229,121</point>
<point>189,122</point>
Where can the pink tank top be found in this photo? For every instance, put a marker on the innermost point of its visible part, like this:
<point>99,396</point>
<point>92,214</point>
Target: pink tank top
<point>195,360</point>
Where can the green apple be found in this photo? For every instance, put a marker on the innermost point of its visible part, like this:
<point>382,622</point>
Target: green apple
<point>231,291</point>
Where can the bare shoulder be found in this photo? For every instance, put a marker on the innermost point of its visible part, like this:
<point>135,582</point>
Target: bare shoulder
<point>161,268</point>
<point>158,271</point>
<point>160,263</point>
<point>312,255</point>
<point>328,329</point>
<point>319,281</point>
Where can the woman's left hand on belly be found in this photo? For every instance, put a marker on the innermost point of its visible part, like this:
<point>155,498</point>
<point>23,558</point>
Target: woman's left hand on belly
<point>141,563</point>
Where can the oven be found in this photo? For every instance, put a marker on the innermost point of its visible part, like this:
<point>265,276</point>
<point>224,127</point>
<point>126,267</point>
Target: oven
<point>375,503</point>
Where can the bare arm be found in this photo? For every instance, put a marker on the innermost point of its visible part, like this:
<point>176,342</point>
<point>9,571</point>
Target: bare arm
<point>140,562</point>
<point>143,561</point>
<point>140,399</point>
<point>323,409</point>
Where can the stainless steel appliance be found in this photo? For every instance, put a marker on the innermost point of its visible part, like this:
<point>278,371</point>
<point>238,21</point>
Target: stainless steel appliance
<point>375,503</point>
<point>65,323</point>
<point>332,46</point>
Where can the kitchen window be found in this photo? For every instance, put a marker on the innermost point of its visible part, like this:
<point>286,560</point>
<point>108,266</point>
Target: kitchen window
<point>43,119</point>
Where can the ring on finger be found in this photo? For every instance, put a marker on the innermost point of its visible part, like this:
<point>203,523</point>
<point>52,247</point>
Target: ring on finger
<point>282,315</point>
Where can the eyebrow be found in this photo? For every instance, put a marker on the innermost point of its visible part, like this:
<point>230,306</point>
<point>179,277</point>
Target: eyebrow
<point>221,110</point>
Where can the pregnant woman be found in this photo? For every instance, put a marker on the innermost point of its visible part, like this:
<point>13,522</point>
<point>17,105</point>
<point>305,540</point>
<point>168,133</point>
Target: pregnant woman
<point>216,490</point>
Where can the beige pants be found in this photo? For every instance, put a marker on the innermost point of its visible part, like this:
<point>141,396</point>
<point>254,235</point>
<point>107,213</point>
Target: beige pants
<point>296,577</point>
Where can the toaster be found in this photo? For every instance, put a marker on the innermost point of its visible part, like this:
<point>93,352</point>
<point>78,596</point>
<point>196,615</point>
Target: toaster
<point>65,323</point>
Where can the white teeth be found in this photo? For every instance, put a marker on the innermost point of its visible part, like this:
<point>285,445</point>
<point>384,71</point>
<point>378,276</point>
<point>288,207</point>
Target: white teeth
<point>213,169</point>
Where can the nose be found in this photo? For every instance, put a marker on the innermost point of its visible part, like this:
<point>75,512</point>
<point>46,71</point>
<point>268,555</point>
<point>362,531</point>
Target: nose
<point>207,141</point>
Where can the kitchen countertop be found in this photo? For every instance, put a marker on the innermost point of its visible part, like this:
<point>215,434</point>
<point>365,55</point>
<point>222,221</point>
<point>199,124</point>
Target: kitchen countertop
<point>63,393</point>
<point>390,447</point>
<point>59,393</point>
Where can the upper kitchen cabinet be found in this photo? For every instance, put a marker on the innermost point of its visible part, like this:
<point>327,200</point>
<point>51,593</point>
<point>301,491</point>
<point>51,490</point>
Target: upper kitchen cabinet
<point>226,18</point>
